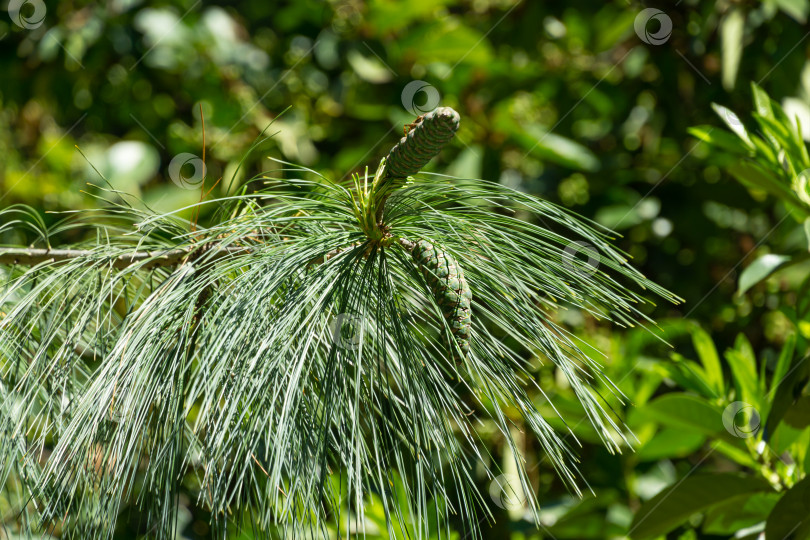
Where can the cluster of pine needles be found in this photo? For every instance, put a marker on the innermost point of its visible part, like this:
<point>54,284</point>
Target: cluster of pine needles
<point>291,341</point>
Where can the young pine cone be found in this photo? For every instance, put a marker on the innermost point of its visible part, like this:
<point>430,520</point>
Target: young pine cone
<point>422,143</point>
<point>450,291</point>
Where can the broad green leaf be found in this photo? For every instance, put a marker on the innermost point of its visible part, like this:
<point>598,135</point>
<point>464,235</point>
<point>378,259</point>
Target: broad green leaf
<point>800,451</point>
<point>757,384</point>
<point>777,127</point>
<point>760,269</point>
<point>731,30</point>
<point>733,122</point>
<point>765,150</point>
<point>744,369</point>
<point>707,353</point>
<point>783,437</point>
<point>790,518</point>
<point>694,414</point>
<point>761,101</point>
<point>799,121</point>
<point>737,451</point>
<point>784,387</point>
<point>696,493</point>
<point>739,512</point>
<point>743,346</point>
<point>650,482</point>
<point>793,156</point>
<point>795,8</point>
<point>799,113</point>
<point>688,375</point>
<point>795,143</point>
<point>671,443</point>
<point>798,414</point>
<point>685,411</point>
<point>755,177</point>
<point>720,138</point>
<point>560,150</point>
<point>784,362</point>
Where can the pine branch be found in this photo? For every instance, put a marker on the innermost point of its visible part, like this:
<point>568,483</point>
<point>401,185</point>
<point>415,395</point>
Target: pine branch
<point>172,257</point>
<point>267,381</point>
<point>169,258</point>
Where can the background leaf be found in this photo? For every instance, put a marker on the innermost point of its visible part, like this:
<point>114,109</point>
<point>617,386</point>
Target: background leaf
<point>696,493</point>
<point>731,29</point>
<point>707,353</point>
<point>738,513</point>
<point>760,269</point>
<point>790,518</point>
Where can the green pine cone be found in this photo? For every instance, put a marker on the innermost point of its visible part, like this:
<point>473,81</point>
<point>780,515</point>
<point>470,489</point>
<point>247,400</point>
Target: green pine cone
<point>422,143</point>
<point>450,291</point>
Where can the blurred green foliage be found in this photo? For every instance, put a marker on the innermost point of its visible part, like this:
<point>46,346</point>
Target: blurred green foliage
<point>567,100</point>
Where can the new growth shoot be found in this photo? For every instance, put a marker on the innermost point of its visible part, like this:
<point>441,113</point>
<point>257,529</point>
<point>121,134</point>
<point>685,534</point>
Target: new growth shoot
<point>368,202</point>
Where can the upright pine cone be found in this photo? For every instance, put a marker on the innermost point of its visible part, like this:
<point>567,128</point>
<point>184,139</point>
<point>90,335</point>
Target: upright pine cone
<point>422,143</point>
<point>450,291</point>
